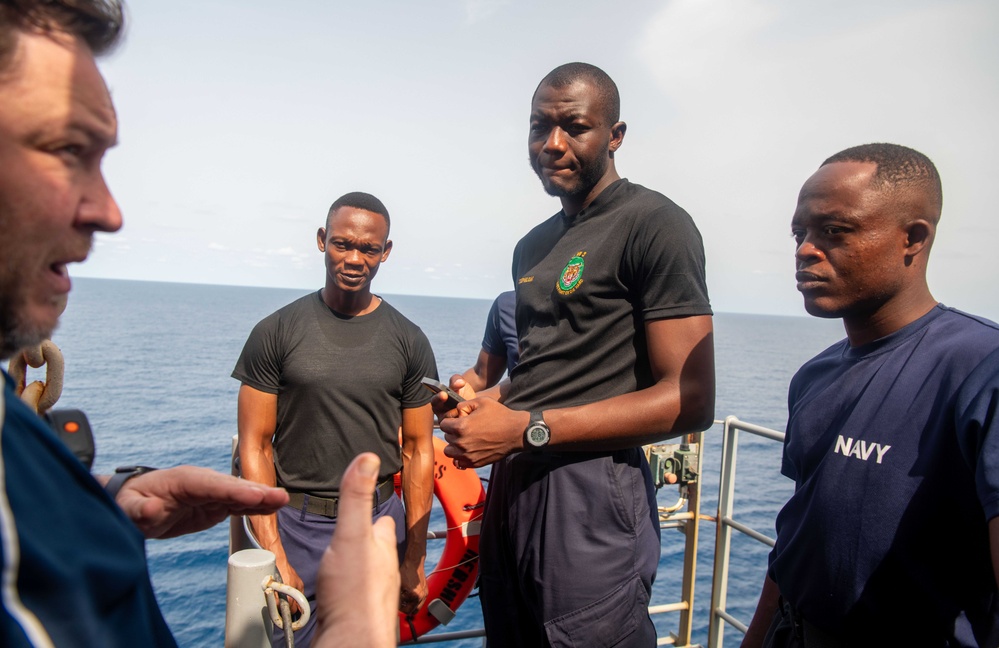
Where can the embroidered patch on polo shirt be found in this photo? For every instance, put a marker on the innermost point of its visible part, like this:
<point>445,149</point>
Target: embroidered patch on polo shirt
<point>572,275</point>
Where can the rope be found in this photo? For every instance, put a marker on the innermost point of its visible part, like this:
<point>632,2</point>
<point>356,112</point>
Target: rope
<point>272,588</point>
<point>463,562</point>
<point>474,519</point>
<point>40,396</point>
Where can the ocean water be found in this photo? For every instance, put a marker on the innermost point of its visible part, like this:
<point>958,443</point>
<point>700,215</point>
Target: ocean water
<point>150,364</point>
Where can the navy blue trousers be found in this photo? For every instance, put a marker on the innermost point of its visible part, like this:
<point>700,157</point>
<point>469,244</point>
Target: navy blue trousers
<point>305,537</point>
<point>569,550</point>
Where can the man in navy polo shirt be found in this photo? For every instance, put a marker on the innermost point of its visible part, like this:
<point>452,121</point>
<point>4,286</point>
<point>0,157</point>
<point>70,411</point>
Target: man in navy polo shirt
<point>73,567</point>
<point>892,534</point>
<point>72,555</point>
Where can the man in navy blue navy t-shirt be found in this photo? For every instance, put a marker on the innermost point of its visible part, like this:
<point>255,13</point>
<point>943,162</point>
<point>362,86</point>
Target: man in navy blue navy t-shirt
<point>892,534</point>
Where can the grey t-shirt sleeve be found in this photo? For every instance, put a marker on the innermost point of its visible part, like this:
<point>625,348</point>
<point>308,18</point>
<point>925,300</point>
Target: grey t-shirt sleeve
<point>259,364</point>
<point>422,364</point>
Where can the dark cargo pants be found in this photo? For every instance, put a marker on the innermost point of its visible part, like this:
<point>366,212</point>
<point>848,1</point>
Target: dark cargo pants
<point>569,549</point>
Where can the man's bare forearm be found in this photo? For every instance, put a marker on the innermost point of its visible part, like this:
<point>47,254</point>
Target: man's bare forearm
<point>417,492</point>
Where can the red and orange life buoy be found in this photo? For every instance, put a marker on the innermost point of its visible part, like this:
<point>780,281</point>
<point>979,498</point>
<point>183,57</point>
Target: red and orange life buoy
<point>461,496</point>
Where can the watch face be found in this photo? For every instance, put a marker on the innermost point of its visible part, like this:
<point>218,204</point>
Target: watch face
<point>537,435</point>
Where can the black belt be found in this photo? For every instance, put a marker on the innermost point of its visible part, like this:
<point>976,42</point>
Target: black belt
<point>327,506</point>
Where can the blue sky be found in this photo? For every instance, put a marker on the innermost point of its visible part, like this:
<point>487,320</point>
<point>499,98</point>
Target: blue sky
<point>242,120</point>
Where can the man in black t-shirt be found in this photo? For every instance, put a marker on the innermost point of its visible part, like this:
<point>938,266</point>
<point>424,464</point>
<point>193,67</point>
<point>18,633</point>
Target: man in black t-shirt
<point>332,375</point>
<point>616,351</point>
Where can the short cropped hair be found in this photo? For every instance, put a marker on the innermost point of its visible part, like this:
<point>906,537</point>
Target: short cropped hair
<point>98,23</point>
<point>569,73</point>
<point>360,200</point>
<point>899,167</point>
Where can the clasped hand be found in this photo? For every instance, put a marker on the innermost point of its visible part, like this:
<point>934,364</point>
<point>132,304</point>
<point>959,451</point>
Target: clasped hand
<point>479,431</point>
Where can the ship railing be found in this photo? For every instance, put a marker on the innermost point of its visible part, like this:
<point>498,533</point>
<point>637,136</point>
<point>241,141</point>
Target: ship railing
<point>682,460</point>
<point>685,516</point>
<point>727,525</point>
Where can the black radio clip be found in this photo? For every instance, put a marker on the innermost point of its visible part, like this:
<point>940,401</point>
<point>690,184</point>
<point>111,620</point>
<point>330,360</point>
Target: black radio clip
<point>73,429</point>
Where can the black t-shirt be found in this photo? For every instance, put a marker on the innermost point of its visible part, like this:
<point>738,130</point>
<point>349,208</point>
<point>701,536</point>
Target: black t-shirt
<point>342,383</point>
<point>587,285</point>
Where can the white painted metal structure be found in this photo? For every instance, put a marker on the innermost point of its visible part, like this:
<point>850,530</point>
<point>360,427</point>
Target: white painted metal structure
<point>247,622</point>
<point>726,524</point>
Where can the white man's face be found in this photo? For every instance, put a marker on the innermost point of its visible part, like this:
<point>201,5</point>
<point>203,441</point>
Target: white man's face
<point>56,123</point>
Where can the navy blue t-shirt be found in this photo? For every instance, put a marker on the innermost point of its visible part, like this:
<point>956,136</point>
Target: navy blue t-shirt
<point>500,337</point>
<point>894,452</point>
<point>79,562</point>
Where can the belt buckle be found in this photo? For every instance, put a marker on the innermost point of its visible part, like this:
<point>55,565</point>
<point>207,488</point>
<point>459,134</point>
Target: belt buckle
<point>331,507</point>
<point>324,506</point>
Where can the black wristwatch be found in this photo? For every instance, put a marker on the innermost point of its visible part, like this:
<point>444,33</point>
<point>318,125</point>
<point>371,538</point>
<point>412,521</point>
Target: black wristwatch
<point>121,475</point>
<point>538,434</point>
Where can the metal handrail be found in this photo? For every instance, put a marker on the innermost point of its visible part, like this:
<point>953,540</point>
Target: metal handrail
<point>688,523</point>
<point>726,524</point>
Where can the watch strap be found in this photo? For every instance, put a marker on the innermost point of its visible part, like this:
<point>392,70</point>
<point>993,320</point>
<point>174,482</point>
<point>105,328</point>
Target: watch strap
<point>121,475</point>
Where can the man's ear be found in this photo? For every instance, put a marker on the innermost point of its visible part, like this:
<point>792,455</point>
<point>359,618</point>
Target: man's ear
<point>385,252</point>
<point>617,136</point>
<point>918,236</point>
<point>321,239</point>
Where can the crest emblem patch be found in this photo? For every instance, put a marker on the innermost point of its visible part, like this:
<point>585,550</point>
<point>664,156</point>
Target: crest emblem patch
<point>572,275</point>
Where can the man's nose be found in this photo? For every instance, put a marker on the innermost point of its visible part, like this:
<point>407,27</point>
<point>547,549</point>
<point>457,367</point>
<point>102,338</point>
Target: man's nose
<point>556,140</point>
<point>98,209</point>
<point>806,250</point>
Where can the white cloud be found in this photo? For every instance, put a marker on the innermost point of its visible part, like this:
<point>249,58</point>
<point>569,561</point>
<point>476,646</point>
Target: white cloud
<point>759,92</point>
<point>730,105</point>
<point>479,10</point>
<point>691,41</point>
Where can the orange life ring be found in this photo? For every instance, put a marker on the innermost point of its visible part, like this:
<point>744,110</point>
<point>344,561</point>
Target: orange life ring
<point>462,496</point>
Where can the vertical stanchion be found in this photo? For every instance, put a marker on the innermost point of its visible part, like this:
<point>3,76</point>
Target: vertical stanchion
<point>238,539</point>
<point>723,533</point>
<point>247,623</point>
<point>691,533</point>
